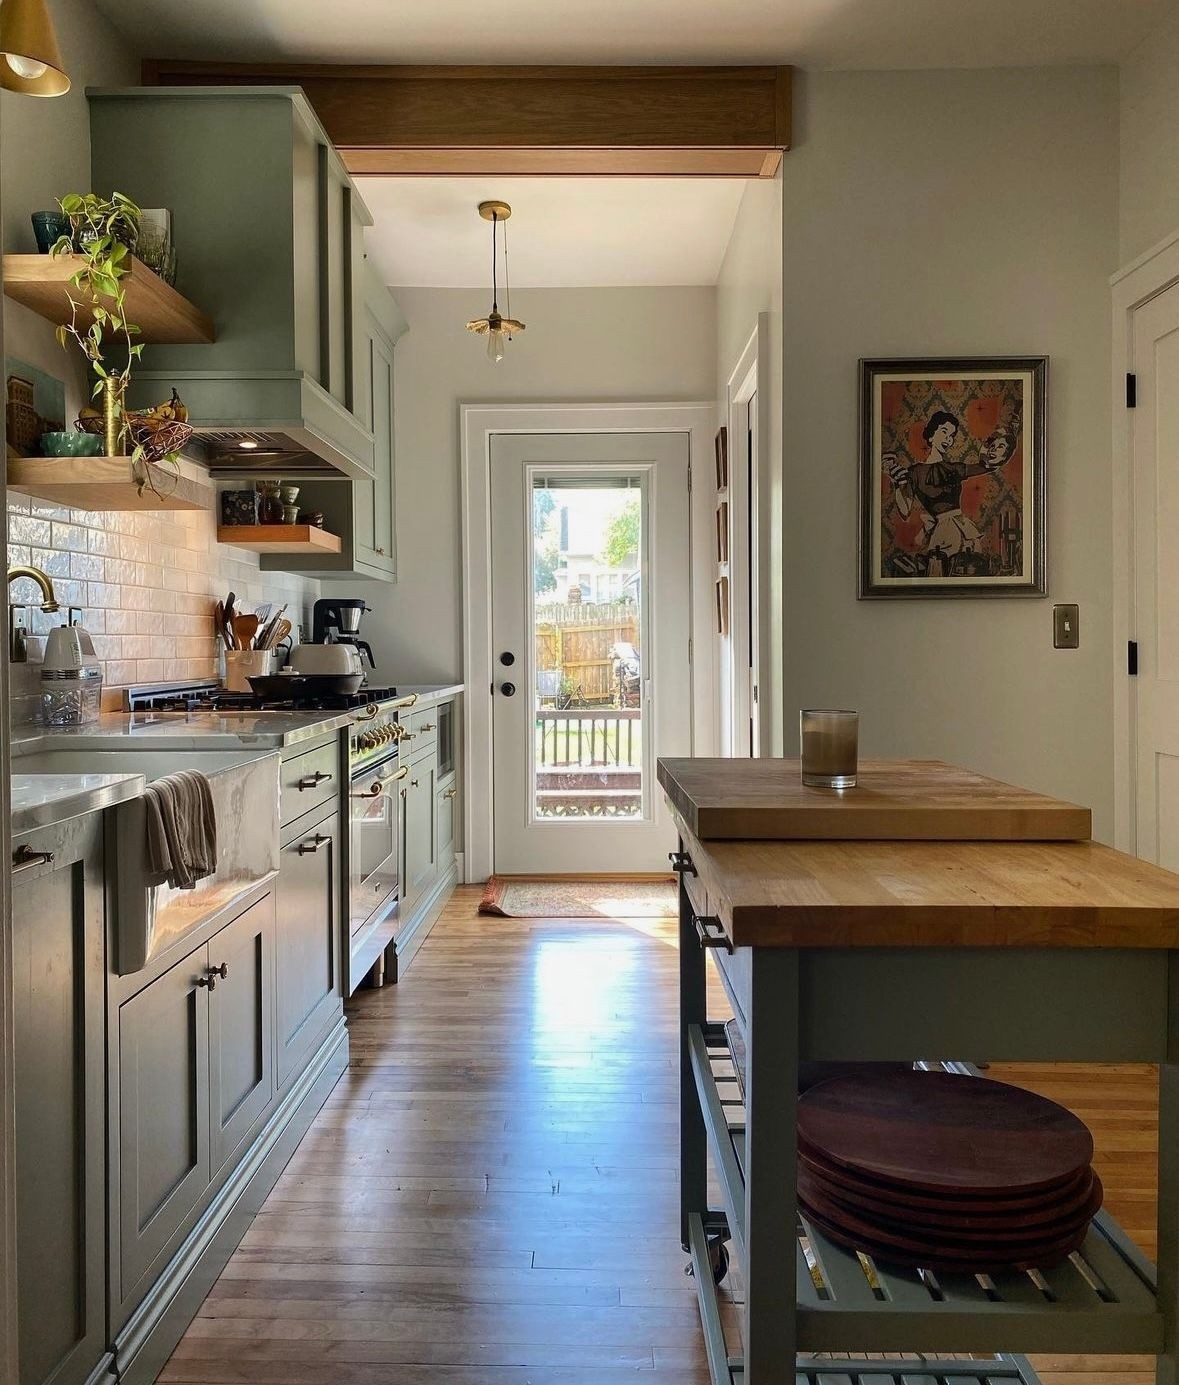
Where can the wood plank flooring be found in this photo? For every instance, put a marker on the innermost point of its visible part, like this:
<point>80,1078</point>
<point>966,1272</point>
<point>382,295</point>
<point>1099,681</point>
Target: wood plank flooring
<point>489,1196</point>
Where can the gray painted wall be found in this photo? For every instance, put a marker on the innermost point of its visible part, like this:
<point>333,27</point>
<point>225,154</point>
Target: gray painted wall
<point>933,213</point>
<point>1150,142</point>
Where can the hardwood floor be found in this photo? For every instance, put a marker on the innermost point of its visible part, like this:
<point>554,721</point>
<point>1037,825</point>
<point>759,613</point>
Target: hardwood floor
<point>489,1196</point>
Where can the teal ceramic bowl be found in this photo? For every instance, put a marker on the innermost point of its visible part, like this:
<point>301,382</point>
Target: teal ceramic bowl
<point>71,444</point>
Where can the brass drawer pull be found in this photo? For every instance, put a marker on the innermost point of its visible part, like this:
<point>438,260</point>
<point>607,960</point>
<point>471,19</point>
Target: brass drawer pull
<point>428,726</point>
<point>313,781</point>
<point>306,848</point>
<point>25,858</point>
<point>450,793</point>
<point>711,932</point>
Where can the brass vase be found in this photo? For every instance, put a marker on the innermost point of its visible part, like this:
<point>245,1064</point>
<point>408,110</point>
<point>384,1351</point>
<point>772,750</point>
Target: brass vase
<point>113,428</point>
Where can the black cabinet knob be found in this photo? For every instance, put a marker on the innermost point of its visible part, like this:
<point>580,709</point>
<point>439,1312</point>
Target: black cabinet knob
<point>508,689</point>
<point>507,658</point>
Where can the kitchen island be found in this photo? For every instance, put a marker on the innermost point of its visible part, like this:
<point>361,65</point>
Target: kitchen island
<point>879,949</point>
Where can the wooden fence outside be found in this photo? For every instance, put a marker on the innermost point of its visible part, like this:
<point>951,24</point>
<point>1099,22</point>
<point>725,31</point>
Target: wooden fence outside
<point>574,642</point>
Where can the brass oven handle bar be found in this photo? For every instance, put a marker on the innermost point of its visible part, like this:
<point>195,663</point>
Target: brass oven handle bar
<point>369,712</point>
<point>378,787</point>
<point>407,701</point>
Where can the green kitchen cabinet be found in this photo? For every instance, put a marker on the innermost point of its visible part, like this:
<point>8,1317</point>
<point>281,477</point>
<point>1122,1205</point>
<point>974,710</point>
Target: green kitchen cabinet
<point>241,1029</point>
<point>60,1093</point>
<point>361,510</point>
<point>308,938</point>
<point>163,1113</point>
<point>420,827</point>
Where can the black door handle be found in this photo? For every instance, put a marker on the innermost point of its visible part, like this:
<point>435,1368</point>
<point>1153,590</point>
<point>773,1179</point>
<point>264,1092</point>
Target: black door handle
<point>507,658</point>
<point>508,689</point>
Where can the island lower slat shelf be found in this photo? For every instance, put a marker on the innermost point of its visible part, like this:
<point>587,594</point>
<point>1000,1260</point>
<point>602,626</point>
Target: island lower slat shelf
<point>1100,1300</point>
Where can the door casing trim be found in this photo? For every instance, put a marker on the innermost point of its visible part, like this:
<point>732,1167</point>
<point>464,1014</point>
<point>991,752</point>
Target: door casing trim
<point>477,424</point>
<point>1132,287</point>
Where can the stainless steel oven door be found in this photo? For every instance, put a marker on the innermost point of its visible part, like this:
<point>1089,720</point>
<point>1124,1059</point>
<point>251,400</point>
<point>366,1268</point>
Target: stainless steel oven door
<point>374,837</point>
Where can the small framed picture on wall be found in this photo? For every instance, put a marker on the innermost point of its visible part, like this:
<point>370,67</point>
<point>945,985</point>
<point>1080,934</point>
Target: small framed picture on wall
<point>722,532</point>
<point>722,459</point>
<point>953,499</point>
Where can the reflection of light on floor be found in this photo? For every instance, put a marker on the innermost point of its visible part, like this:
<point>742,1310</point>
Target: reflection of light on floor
<point>575,984</point>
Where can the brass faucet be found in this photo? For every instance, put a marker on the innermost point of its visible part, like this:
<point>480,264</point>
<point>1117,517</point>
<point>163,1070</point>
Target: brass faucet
<point>18,629</point>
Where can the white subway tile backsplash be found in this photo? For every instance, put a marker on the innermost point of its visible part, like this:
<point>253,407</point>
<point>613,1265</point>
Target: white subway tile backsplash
<point>147,583</point>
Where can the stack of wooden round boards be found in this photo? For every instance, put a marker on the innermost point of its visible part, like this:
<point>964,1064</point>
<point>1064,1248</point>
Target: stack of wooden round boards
<point>944,1172</point>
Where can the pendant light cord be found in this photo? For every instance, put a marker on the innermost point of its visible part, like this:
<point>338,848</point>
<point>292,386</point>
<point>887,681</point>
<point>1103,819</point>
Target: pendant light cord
<point>494,224</point>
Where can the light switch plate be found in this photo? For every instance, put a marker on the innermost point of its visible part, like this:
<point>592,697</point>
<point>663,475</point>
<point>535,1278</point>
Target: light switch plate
<point>1066,627</point>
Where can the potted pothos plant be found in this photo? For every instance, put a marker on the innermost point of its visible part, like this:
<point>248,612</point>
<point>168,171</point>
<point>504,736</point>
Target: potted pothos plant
<point>101,232</point>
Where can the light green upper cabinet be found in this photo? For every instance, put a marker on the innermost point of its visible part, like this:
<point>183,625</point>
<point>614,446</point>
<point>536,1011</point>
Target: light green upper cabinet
<point>269,234</point>
<point>361,511</point>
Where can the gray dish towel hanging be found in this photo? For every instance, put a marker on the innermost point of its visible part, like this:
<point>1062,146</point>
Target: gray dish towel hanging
<point>181,829</point>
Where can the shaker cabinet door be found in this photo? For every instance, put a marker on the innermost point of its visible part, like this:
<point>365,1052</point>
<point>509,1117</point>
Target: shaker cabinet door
<point>241,1028</point>
<point>421,831</point>
<point>60,1096</point>
<point>163,1127</point>
<point>307,942</point>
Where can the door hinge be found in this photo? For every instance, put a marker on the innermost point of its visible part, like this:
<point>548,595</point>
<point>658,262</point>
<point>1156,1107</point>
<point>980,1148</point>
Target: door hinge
<point>1132,658</point>
<point>1131,391</point>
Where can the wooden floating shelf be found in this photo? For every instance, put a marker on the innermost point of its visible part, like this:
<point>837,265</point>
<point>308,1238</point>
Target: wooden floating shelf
<point>103,483</point>
<point>279,538</point>
<point>42,282</point>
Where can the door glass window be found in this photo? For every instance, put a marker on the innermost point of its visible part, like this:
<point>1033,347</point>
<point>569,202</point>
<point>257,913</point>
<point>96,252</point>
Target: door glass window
<point>588,545</point>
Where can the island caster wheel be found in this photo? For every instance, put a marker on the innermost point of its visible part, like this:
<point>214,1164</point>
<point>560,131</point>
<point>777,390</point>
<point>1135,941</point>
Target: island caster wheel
<point>718,1258</point>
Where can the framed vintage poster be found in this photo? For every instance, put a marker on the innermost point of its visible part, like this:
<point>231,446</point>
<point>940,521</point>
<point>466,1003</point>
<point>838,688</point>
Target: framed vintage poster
<point>952,492</point>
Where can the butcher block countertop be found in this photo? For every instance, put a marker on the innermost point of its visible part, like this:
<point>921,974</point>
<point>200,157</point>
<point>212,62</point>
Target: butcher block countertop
<point>911,800</point>
<point>844,887</point>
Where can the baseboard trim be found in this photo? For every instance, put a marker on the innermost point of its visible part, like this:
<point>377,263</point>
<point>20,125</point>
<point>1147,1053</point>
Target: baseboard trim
<point>104,1372</point>
<point>414,933</point>
<point>153,1330</point>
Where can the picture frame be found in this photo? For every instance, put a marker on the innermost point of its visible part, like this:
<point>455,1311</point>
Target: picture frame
<point>722,606</point>
<point>722,532</point>
<point>721,447</point>
<point>953,495</point>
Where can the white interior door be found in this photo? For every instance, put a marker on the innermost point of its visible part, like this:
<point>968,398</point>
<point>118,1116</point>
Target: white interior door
<point>591,619</point>
<point>1155,446</point>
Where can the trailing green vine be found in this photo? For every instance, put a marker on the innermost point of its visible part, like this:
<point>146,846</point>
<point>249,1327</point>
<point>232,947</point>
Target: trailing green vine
<point>103,233</point>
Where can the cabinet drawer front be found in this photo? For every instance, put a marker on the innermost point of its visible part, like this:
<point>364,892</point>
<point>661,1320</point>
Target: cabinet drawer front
<point>307,941</point>
<point>308,781</point>
<point>241,1037</point>
<point>422,728</point>
<point>163,1112</point>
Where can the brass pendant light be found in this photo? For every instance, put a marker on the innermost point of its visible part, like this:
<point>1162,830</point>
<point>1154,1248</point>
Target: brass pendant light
<point>497,327</point>
<point>31,62</point>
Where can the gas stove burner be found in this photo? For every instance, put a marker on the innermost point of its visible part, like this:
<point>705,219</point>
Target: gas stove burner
<point>211,697</point>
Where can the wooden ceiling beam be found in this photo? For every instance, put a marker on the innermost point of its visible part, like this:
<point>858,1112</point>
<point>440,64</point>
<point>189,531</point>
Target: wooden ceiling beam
<point>669,121</point>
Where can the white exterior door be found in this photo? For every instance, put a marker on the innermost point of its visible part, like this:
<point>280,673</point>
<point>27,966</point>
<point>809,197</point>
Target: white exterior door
<point>591,618</point>
<point>1155,444</point>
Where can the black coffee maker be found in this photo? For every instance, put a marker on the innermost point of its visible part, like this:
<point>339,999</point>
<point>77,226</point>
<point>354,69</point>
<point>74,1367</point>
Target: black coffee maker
<point>336,620</point>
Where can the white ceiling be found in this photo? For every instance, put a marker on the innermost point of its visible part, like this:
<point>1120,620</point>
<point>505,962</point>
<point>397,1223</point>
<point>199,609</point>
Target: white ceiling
<point>563,233</point>
<point>878,34</point>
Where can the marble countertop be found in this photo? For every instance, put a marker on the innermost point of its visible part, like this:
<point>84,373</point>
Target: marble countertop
<point>428,692</point>
<point>182,731</point>
<point>40,800</point>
